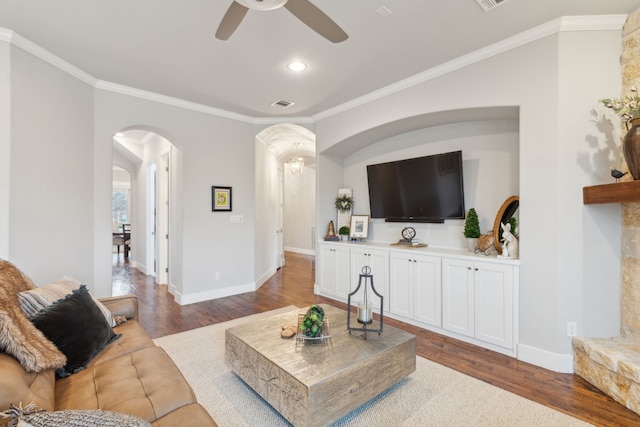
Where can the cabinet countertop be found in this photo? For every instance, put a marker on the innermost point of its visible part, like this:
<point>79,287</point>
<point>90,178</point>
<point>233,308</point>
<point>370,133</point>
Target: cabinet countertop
<point>428,250</point>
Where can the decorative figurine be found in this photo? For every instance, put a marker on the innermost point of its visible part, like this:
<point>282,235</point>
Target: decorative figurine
<point>485,243</point>
<point>331,233</point>
<point>617,174</point>
<point>509,242</point>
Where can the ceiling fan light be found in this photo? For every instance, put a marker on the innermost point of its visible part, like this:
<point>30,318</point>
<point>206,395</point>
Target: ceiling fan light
<point>262,4</point>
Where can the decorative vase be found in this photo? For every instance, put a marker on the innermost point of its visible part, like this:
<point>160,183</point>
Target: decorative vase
<point>472,243</point>
<point>631,148</point>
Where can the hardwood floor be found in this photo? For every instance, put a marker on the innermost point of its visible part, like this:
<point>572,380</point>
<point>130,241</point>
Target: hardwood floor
<point>293,285</point>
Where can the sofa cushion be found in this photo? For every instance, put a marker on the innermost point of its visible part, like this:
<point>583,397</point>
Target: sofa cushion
<point>192,415</point>
<point>35,300</point>
<point>134,337</point>
<point>145,383</point>
<point>19,337</point>
<point>18,385</point>
<point>77,327</point>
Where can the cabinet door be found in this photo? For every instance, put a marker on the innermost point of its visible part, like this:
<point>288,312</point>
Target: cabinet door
<point>401,284</point>
<point>342,272</point>
<point>334,273</point>
<point>494,303</point>
<point>427,290</point>
<point>378,261</point>
<point>457,296</point>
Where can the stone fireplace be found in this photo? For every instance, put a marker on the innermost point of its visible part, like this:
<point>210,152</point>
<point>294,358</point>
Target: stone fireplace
<point>613,364</point>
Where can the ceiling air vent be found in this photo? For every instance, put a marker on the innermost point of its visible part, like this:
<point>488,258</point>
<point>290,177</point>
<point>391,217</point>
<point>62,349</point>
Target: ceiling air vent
<point>282,103</point>
<point>487,5</point>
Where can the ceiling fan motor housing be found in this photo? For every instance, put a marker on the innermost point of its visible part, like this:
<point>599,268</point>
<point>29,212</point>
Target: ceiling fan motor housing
<point>262,4</point>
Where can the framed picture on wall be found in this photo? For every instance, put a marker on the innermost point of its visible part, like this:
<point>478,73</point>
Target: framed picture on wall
<point>220,199</point>
<point>359,226</point>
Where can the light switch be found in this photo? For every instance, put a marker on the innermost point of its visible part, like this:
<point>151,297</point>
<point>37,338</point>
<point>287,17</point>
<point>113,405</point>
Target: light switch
<point>236,219</point>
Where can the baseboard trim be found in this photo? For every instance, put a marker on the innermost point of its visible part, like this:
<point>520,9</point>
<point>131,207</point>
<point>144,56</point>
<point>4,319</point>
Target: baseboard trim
<point>184,299</point>
<point>300,250</point>
<point>545,359</point>
<point>266,276</point>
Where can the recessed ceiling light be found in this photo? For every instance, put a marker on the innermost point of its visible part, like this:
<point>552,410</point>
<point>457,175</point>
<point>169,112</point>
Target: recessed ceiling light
<point>297,66</point>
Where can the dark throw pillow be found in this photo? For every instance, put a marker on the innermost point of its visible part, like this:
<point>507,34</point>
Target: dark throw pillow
<point>77,327</point>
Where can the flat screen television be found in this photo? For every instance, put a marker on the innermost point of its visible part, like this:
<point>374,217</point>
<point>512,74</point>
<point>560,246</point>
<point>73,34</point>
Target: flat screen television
<point>423,189</point>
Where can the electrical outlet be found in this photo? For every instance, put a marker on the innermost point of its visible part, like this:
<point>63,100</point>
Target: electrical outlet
<point>218,276</point>
<point>572,329</point>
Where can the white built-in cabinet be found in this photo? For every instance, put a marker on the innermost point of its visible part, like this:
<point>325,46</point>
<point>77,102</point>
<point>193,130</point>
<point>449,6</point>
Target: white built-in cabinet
<point>478,300</point>
<point>455,293</point>
<point>334,272</point>
<point>378,261</point>
<point>415,287</point>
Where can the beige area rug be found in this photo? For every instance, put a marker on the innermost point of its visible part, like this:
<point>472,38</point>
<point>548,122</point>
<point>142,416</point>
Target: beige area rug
<point>433,395</point>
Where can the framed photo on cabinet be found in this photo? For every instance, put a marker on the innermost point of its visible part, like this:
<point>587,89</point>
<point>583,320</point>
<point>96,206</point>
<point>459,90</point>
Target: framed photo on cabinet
<point>220,199</point>
<point>359,227</point>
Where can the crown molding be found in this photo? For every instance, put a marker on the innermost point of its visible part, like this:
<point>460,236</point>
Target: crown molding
<point>169,100</point>
<point>39,52</point>
<point>593,23</point>
<point>567,23</point>
<point>283,120</point>
<point>201,108</point>
<point>6,35</point>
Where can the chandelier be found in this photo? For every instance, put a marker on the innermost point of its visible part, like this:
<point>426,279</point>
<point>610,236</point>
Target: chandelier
<point>296,163</point>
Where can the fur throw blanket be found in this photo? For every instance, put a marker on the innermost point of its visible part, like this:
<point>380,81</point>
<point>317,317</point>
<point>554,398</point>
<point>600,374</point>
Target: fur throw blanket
<point>18,336</point>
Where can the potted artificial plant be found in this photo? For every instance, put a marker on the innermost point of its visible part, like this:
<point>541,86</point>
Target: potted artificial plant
<point>344,232</point>
<point>472,229</point>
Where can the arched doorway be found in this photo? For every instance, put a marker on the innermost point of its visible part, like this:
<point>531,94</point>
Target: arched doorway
<point>289,219</point>
<point>147,156</point>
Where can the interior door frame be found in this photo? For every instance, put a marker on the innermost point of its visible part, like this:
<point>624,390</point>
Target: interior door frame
<point>162,217</point>
<point>280,220</point>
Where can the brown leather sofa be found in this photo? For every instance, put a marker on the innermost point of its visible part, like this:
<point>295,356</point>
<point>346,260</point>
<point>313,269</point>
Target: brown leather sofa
<point>132,375</point>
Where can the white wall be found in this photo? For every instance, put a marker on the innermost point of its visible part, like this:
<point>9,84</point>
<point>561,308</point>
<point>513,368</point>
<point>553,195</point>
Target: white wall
<point>300,210</point>
<point>266,172</point>
<point>556,128</point>
<point>5,147</point>
<point>51,175</point>
<point>213,151</point>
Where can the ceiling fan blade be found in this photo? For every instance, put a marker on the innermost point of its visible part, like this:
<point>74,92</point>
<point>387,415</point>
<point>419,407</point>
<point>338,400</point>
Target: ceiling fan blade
<point>230,21</point>
<point>316,19</point>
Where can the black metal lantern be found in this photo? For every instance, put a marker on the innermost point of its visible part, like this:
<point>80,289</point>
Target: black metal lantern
<point>364,310</point>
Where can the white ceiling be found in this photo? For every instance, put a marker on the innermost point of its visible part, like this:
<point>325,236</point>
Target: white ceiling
<point>168,46</point>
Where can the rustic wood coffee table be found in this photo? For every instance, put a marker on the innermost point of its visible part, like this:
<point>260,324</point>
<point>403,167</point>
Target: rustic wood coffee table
<point>314,384</point>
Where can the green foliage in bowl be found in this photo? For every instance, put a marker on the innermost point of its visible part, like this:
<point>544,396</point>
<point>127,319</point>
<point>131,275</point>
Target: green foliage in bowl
<point>313,321</point>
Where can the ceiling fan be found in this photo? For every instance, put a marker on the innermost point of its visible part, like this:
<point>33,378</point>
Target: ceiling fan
<point>304,10</point>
